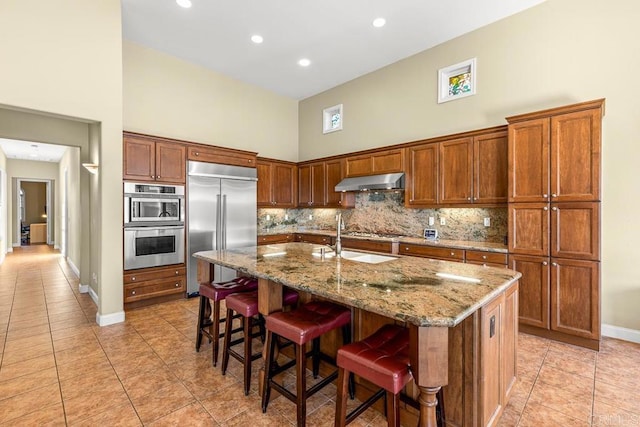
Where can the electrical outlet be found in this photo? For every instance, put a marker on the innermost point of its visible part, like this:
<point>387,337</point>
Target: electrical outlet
<point>487,222</point>
<point>432,220</point>
<point>268,217</point>
<point>286,217</point>
<point>443,221</point>
<point>310,217</point>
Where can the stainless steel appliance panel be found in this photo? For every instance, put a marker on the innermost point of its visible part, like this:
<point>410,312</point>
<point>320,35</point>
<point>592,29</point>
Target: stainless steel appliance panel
<point>153,246</point>
<point>222,213</point>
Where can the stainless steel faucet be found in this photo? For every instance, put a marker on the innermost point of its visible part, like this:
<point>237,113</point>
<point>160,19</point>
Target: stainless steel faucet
<point>339,228</point>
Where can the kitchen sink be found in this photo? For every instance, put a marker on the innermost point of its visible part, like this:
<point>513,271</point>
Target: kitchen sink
<point>365,257</point>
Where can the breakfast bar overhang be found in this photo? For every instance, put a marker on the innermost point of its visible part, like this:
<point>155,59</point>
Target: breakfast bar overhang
<point>462,317</point>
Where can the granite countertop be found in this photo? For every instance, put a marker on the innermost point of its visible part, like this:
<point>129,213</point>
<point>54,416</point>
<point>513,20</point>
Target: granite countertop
<point>406,288</point>
<point>457,244</point>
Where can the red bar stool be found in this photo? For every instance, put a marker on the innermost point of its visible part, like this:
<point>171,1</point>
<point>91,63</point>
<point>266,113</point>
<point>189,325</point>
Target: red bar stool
<point>217,292</point>
<point>245,305</point>
<point>307,323</point>
<point>383,359</point>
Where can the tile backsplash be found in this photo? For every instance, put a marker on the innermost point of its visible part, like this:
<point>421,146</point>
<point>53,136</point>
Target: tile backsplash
<point>384,213</point>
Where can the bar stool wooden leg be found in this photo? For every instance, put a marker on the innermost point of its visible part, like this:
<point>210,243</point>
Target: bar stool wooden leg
<point>270,348</point>
<point>228,327</point>
<point>201,320</point>
<point>301,384</point>
<point>393,409</point>
<point>248,326</point>
<point>341,400</point>
<point>215,326</point>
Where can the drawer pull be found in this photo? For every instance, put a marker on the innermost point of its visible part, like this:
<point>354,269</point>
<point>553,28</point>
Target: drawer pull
<point>544,263</point>
<point>484,257</point>
<point>177,285</point>
<point>177,272</point>
<point>133,292</point>
<point>133,279</point>
<point>453,253</point>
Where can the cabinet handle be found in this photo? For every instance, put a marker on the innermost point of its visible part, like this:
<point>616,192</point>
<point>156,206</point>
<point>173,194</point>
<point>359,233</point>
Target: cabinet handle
<point>411,200</point>
<point>469,198</point>
<point>339,202</point>
<point>545,196</point>
<point>197,154</point>
<point>484,257</point>
<point>133,279</point>
<point>554,208</point>
<point>554,195</point>
<point>158,177</point>
<point>177,285</point>
<point>133,292</point>
<point>555,264</point>
<point>406,249</point>
<point>453,253</point>
<point>544,262</point>
<point>177,272</point>
<point>545,208</point>
<point>153,177</point>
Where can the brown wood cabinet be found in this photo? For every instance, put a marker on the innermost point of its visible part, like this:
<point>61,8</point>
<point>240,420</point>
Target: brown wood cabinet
<point>151,285</point>
<point>554,220</point>
<point>317,182</point>
<point>148,159</point>
<point>447,254</point>
<point>275,238</point>
<point>378,162</point>
<point>466,168</point>
<point>555,154</point>
<point>277,183</point>
<point>486,258</point>
<point>314,238</point>
<point>225,156</point>
<point>456,171</point>
<point>367,245</point>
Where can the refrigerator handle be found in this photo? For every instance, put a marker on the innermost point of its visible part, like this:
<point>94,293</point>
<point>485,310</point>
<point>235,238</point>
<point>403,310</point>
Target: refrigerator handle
<point>224,221</point>
<point>218,231</point>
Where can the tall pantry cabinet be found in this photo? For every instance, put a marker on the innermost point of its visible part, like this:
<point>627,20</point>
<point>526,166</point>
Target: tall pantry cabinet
<point>554,220</point>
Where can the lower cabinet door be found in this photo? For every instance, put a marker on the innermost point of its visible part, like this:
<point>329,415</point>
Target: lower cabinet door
<point>534,289</point>
<point>575,297</point>
<point>153,288</point>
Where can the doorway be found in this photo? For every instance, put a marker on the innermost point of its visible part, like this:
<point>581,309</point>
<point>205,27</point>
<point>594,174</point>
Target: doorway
<point>34,211</point>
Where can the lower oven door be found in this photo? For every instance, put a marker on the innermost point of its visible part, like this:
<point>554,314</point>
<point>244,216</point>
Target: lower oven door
<point>153,246</point>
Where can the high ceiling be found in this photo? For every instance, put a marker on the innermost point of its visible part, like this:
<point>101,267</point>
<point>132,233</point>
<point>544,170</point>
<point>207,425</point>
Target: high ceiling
<point>336,36</point>
<point>36,151</point>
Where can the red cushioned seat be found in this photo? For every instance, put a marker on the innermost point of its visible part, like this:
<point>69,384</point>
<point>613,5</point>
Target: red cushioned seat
<point>209,319</point>
<point>382,358</point>
<point>245,305</point>
<point>308,321</point>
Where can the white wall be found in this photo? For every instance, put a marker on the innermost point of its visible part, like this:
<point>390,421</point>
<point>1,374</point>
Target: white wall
<point>71,162</point>
<point>560,52</point>
<point>166,96</point>
<point>64,58</point>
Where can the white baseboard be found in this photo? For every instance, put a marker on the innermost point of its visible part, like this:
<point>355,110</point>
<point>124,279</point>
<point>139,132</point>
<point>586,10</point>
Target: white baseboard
<point>109,319</point>
<point>83,289</point>
<point>56,247</point>
<point>16,245</point>
<point>93,295</point>
<point>74,268</point>
<point>626,334</point>
<point>9,250</point>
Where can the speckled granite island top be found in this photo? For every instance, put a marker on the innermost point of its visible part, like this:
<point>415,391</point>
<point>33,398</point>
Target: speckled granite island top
<point>415,290</point>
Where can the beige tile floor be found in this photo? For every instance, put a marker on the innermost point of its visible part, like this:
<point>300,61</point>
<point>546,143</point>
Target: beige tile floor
<point>58,368</point>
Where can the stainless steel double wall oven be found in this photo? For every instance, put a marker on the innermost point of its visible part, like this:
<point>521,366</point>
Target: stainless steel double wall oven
<point>153,225</point>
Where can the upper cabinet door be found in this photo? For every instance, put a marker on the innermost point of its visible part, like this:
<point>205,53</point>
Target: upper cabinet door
<point>575,156</point>
<point>304,186</point>
<point>317,184</point>
<point>263,169</point>
<point>421,187</point>
<point>139,159</point>
<point>170,162</point>
<point>456,171</point>
<point>529,228</point>
<point>490,168</point>
<point>284,185</point>
<point>529,161</point>
<point>334,170</point>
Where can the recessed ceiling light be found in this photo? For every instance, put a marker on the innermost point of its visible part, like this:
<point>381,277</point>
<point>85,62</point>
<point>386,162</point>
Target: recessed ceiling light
<point>184,3</point>
<point>304,62</point>
<point>257,39</point>
<point>379,22</point>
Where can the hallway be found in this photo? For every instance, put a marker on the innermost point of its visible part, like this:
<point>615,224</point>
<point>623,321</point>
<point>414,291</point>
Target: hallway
<point>57,367</point>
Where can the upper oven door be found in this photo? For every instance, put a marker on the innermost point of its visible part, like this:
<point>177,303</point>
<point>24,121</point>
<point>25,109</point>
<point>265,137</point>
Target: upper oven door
<point>153,246</point>
<point>153,209</point>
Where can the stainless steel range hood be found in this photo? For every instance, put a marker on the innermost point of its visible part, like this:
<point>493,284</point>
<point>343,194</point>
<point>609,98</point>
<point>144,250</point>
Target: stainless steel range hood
<point>389,181</point>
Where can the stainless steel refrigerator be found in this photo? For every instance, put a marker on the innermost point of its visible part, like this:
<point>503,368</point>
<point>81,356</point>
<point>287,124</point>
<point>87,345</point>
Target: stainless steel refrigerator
<point>221,213</point>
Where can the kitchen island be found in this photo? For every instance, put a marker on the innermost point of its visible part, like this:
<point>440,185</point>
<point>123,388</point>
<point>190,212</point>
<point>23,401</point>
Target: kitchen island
<point>462,318</point>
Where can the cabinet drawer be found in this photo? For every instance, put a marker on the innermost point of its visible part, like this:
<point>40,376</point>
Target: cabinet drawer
<point>153,288</point>
<point>274,238</point>
<point>152,274</point>
<point>367,245</point>
<point>313,238</point>
<point>431,252</point>
<point>218,155</point>
<point>483,257</point>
